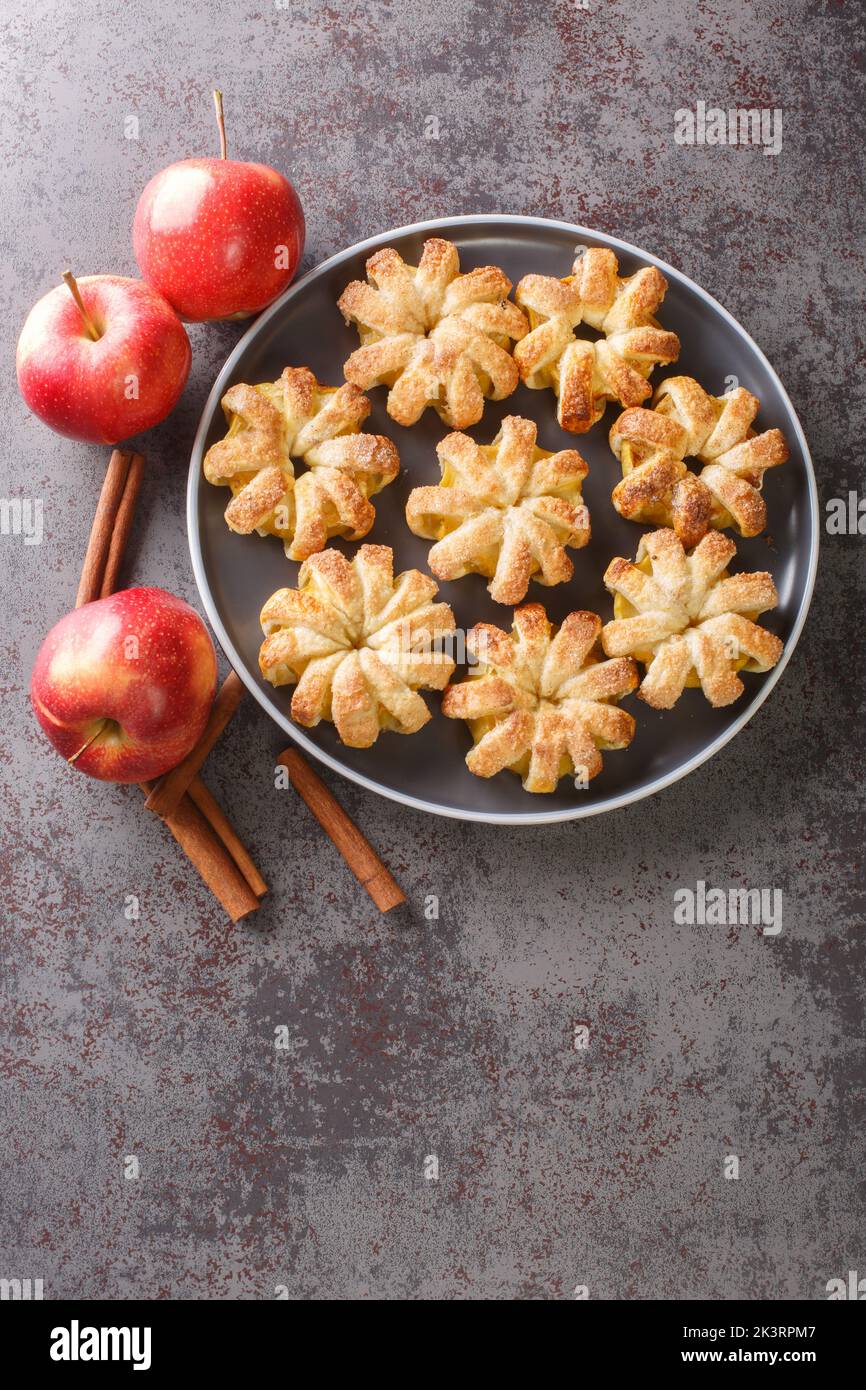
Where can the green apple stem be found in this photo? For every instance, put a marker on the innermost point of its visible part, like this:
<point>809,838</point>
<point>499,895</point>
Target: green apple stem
<point>100,728</point>
<point>69,279</point>
<point>221,124</point>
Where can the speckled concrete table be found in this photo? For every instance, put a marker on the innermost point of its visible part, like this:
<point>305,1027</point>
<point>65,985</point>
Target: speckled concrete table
<point>307,1170</point>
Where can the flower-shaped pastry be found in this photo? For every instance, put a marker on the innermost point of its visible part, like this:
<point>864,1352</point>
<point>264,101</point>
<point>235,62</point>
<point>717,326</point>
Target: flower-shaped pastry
<point>358,644</point>
<point>687,620</point>
<point>658,488</point>
<point>296,417</point>
<point>540,702</point>
<point>506,510</point>
<point>586,375</point>
<point>434,336</point>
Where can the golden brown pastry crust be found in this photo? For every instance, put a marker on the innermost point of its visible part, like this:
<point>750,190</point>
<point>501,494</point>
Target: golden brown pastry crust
<point>540,701</point>
<point>506,510</point>
<point>686,421</point>
<point>435,337</point>
<point>586,375</point>
<point>685,618</point>
<point>297,417</point>
<point>358,644</point>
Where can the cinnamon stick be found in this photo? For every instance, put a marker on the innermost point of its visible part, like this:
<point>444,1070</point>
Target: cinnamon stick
<point>200,827</point>
<point>213,813</point>
<point>96,555</point>
<point>122,525</point>
<point>208,854</point>
<point>355,849</point>
<point>171,787</point>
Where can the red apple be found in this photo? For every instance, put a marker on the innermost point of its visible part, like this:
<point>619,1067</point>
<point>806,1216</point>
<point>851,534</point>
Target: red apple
<point>102,358</point>
<point>123,687</point>
<point>218,238</point>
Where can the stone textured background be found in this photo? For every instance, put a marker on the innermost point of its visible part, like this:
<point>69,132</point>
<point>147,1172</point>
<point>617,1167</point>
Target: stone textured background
<point>453,1037</point>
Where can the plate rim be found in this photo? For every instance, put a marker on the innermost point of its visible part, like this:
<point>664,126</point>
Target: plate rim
<point>533,817</point>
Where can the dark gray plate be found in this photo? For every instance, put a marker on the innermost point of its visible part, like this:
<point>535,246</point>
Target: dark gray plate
<point>235,574</point>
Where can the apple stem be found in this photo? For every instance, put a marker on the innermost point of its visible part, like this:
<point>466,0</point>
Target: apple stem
<point>93,737</point>
<point>221,124</point>
<point>69,279</point>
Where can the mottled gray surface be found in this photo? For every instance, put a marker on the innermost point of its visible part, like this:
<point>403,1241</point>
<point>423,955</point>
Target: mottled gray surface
<point>453,1037</point>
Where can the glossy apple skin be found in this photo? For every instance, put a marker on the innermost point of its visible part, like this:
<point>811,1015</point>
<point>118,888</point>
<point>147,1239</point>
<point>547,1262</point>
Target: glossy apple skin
<point>142,658</point>
<point>85,388</point>
<point>207,232</point>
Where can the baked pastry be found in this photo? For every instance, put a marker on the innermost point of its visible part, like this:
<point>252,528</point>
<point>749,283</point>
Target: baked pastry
<point>687,620</point>
<point>586,375</point>
<point>298,418</point>
<point>540,702</point>
<point>435,337</point>
<point>686,421</point>
<point>358,644</point>
<point>506,510</point>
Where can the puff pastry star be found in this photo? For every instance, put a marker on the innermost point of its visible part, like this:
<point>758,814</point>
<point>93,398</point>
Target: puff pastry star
<point>586,375</point>
<point>686,421</point>
<point>435,337</point>
<point>506,510</point>
<point>298,418</point>
<point>358,644</point>
<point>540,701</point>
<point>687,620</point>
